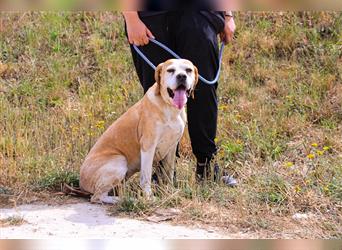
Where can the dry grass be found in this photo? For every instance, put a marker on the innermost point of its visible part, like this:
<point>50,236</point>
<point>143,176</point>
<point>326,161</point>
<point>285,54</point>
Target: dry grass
<point>12,221</point>
<point>64,77</point>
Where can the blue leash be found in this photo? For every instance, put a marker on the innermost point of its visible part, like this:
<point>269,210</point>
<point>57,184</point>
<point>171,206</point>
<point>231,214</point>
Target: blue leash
<point>178,57</point>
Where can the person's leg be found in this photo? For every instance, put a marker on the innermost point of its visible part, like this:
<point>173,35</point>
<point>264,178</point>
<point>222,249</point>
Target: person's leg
<point>196,40</point>
<point>157,24</point>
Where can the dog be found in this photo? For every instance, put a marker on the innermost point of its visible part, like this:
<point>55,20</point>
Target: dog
<point>146,133</point>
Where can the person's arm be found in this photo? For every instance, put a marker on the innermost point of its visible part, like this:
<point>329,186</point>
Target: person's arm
<point>229,28</point>
<point>137,31</point>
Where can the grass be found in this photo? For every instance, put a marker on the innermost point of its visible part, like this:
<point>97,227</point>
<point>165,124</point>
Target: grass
<point>65,77</point>
<point>12,221</point>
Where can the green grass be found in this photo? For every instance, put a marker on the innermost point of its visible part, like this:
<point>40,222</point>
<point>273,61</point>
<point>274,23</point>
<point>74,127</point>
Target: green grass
<point>65,77</point>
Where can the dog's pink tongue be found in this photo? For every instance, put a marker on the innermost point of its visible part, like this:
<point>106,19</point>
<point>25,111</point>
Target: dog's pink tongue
<point>179,100</point>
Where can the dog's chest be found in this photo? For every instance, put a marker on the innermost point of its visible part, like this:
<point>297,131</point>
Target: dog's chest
<point>170,134</point>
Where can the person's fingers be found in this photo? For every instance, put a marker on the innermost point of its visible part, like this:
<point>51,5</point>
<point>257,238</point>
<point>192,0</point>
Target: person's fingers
<point>145,40</point>
<point>130,40</point>
<point>137,42</point>
<point>141,42</point>
<point>222,37</point>
<point>149,33</point>
<point>230,37</point>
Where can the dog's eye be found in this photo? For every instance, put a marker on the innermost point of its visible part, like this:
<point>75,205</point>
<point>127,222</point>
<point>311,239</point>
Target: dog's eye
<point>188,70</point>
<point>171,71</point>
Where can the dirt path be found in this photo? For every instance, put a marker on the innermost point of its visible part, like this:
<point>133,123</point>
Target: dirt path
<point>85,220</point>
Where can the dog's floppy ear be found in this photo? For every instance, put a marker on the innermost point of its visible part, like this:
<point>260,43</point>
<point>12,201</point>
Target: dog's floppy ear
<point>157,76</point>
<point>195,83</point>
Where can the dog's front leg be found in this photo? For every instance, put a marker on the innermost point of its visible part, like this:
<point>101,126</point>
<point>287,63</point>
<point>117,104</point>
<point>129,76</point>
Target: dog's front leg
<point>146,170</point>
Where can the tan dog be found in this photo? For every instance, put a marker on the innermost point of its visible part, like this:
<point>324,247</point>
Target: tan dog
<point>148,132</point>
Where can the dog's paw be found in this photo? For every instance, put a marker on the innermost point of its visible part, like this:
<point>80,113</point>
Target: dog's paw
<point>147,192</point>
<point>105,199</point>
<point>150,197</point>
<point>110,199</point>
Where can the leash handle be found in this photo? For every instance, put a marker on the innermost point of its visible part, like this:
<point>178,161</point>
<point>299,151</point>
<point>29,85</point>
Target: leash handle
<point>163,46</point>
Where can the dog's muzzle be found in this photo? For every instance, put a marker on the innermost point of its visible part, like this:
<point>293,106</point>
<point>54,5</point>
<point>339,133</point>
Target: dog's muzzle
<point>181,78</point>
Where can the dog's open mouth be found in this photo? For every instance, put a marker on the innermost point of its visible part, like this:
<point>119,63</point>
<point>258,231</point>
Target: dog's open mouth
<point>179,96</point>
<point>170,92</point>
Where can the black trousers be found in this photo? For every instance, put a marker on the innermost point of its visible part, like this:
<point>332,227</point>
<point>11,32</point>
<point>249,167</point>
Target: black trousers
<point>194,37</point>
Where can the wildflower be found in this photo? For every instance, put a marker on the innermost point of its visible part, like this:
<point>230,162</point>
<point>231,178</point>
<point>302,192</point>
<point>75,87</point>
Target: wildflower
<point>215,140</point>
<point>74,128</point>
<point>310,156</point>
<point>223,107</point>
<point>288,164</point>
<point>326,148</point>
<point>238,117</point>
<point>297,189</point>
<point>319,152</point>
<point>221,154</point>
<point>315,145</point>
<point>100,124</point>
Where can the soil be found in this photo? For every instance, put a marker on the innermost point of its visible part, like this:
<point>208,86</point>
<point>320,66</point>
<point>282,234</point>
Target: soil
<point>82,219</point>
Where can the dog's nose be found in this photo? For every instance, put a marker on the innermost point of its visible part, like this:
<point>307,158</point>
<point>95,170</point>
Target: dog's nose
<point>181,77</point>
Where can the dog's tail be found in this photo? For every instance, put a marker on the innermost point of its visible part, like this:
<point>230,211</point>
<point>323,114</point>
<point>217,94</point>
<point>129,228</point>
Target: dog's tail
<point>75,191</point>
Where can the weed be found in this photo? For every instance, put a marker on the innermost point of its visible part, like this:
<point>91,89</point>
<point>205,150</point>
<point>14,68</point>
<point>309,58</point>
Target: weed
<point>12,221</point>
<point>129,205</point>
<point>274,190</point>
<point>55,180</point>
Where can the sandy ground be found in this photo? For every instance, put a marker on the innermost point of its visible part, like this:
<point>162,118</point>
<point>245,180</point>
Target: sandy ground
<point>85,220</point>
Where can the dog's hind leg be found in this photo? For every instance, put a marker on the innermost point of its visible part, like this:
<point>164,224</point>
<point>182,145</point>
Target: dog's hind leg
<point>108,176</point>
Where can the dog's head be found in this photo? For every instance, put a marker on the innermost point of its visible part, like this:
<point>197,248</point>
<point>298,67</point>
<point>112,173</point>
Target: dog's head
<point>176,79</point>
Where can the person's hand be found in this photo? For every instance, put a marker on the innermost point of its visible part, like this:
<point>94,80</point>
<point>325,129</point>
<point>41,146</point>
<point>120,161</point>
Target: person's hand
<point>137,31</point>
<point>228,32</point>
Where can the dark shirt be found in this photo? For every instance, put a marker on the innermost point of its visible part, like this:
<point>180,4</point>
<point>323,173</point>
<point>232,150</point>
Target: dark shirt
<point>160,5</point>
<point>150,13</point>
<point>216,18</point>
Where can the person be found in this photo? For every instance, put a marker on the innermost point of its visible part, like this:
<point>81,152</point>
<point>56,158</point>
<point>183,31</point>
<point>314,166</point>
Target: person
<point>192,34</point>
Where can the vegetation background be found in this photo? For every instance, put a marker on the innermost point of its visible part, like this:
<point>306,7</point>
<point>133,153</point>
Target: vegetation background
<point>65,77</point>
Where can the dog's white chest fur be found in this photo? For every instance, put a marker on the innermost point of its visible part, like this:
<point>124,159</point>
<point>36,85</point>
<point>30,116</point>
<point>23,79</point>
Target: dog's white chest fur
<point>169,135</point>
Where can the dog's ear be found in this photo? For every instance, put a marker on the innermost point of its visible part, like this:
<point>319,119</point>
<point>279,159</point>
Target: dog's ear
<point>195,83</point>
<point>157,76</point>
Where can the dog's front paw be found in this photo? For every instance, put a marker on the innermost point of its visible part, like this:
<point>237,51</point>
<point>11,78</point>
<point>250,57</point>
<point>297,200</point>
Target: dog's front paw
<point>148,193</point>
<point>151,198</point>
<point>105,199</point>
